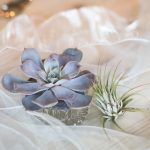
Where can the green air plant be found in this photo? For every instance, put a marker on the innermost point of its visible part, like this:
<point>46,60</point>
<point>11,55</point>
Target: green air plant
<point>107,98</point>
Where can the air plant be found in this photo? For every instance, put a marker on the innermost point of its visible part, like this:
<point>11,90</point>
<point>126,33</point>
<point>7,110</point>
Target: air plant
<point>110,102</point>
<point>54,82</point>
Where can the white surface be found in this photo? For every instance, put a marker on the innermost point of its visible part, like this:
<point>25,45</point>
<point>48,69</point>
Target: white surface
<point>100,34</point>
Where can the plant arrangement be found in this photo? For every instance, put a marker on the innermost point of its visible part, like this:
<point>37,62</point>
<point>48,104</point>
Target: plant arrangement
<point>109,100</point>
<point>55,83</point>
<point>58,86</point>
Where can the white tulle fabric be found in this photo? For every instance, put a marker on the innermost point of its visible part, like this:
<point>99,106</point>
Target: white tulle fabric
<point>104,37</point>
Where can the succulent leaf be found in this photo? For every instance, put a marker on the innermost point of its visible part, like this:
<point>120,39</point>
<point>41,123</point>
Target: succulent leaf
<point>31,54</point>
<point>59,58</point>
<point>80,83</point>
<point>73,54</point>
<point>50,64</point>
<point>47,99</point>
<point>16,85</point>
<point>71,69</point>
<point>31,69</point>
<point>27,101</point>
<point>71,98</point>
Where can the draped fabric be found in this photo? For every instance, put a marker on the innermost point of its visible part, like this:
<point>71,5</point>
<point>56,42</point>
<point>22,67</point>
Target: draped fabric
<point>104,38</point>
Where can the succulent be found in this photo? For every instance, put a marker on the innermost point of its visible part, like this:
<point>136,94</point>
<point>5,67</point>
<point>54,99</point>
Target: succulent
<point>53,82</point>
<point>107,98</point>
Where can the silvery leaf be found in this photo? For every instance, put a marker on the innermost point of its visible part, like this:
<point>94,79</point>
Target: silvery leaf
<point>42,75</point>
<point>31,54</point>
<point>17,85</point>
<point>28,88</point>
<point>71,69</point>
<point>59,58</point>
<point>80,83</point>
<point>71,98</point>
<point>61,81</point>
<point>31,69</point>
<point>73,54</point>
<point>47,99</point>
<point>9,80</point>
<point>27,102</point>
<point>50,64</point>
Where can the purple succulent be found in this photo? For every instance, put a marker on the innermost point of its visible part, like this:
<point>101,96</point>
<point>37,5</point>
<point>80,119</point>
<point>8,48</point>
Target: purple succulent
<point>54,82</point>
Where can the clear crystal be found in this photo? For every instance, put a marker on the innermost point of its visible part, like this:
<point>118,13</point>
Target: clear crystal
<point>70,116</point>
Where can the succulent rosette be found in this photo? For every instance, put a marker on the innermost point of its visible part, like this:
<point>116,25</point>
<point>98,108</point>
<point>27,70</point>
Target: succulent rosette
<point>53,82</point>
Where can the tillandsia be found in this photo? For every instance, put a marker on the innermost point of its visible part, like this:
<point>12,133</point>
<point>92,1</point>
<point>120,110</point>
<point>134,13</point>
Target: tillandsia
<point>56,81</point>
<point>107,98</point>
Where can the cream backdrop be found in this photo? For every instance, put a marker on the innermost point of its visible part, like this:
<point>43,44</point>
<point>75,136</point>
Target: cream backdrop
<point>102,35</point>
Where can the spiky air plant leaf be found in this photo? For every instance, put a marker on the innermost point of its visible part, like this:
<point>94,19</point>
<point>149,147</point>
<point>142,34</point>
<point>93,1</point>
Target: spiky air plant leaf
<point>55,82</point>
<point>107,98</point>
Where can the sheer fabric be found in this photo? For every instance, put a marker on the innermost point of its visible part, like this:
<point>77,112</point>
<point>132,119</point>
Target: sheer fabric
<point>104,38</point>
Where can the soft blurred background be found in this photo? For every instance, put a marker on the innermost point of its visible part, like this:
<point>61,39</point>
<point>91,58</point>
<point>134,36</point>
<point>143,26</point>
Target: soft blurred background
<point>122,35</point>
<point>42,9</point>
